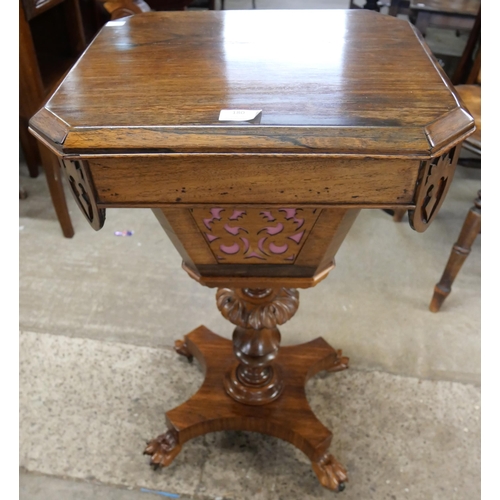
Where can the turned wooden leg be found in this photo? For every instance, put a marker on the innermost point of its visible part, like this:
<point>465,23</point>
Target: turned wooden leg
<point>54,180</point>
<point>459,252</point>
<point>29,146</point>
<point>252,384</point>
<point>422,22</point>
<point>394,8</point>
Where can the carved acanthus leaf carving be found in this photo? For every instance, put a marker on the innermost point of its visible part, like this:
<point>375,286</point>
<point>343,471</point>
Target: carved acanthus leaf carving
<point>247,309</point>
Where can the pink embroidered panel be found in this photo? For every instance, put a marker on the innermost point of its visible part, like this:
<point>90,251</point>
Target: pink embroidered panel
<point>255,235</point>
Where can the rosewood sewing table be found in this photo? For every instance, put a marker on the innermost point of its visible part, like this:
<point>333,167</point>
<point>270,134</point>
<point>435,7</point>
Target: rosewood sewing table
<point>339,111</point>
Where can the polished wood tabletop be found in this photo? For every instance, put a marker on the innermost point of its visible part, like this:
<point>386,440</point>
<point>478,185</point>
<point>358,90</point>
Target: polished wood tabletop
<point>330,81</point>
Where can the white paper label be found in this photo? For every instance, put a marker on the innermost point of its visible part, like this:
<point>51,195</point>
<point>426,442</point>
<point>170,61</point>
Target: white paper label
<point>238,115</point>
<point>117,22</point>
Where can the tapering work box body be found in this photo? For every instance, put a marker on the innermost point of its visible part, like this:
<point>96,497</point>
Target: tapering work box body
<point>339,111</point>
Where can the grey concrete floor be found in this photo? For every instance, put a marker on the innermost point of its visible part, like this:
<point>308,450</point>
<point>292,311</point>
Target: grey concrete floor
<point>99,314</point>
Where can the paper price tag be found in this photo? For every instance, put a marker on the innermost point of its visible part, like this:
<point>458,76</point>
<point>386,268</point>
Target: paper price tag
<point>117,22</point>
<point>238,115</point>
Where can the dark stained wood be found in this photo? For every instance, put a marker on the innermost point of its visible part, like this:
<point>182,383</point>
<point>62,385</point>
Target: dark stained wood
<point>372,5</point>
<point>30,92</point>
<point>342,128</point>
<point>460,251</point>
<point>463,73</point>
<point>53,175</point>
<point>35,7</point>
<point>399,7</point>
<point>261,277</point>
<point>288,417</point>
<point>51,37</point>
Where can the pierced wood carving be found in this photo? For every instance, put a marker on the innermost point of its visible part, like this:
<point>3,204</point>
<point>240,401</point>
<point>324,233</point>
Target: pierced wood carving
<point>78,175</point>
<point>255,235</point>
<point>432,185</point>
<point>250,308</point>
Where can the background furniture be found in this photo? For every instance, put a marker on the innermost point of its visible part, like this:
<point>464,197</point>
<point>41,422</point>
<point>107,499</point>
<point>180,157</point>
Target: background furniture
<point>395,6</point>
<point>123,8</point>
<point>468,73</point>
<point>461,249</point>
<point>448,14</point>
<point>222,6</point>
<point>256,208</point>
<point>470,94</point>
<point>51,37</point>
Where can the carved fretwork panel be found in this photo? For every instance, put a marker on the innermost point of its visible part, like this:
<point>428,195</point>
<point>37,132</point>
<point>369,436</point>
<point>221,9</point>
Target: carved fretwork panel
<point>255,235</point>
<point>78,175</point>
<point>432,185</point>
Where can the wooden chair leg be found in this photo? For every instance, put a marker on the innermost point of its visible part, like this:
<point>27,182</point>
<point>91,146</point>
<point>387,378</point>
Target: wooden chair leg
<point>459,252</point>
<point>422,22</point>
<point>53,174</point>
<point>394,8</point>
<point>399,213</point>
<point>29,146</point>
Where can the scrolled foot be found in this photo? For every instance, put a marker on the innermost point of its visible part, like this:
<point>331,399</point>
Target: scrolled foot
<point>163,449</point>
<point>331,474</point>
<point>341,363</point>
<point>182,349</point>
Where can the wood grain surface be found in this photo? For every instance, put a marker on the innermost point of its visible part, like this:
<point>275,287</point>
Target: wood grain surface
<point>329,81</point>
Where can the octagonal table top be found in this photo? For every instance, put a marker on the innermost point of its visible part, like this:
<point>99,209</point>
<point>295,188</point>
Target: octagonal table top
<point>343,82</point>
